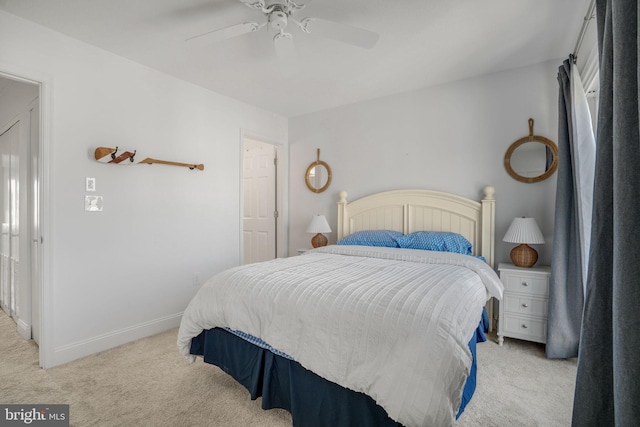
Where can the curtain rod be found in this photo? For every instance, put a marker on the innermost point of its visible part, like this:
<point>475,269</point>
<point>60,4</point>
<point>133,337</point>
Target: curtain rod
<point>587,18</point>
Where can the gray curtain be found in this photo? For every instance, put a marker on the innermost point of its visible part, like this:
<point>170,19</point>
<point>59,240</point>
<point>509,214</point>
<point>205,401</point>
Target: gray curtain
<point>608,379</point>
<point>572,228</point>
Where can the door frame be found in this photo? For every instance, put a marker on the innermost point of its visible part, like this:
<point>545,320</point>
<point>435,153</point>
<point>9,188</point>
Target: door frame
<point>43,282</point>
<point>281,194</point>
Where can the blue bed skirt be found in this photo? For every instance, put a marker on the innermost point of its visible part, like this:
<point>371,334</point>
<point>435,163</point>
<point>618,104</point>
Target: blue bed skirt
<point>311,400</point>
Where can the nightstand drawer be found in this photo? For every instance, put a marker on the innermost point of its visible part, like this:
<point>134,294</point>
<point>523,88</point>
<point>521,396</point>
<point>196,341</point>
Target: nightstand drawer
<point>531,285</point>
<point>525,305</point>
<point>525,328</point>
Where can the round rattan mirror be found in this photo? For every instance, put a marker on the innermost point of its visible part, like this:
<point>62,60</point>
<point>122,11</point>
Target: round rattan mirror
<point>318,175</point>
<point>531,159</point>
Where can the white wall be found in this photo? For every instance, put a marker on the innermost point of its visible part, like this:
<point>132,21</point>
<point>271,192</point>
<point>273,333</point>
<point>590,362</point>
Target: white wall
<point>448,138</point>
<point>126,272</point>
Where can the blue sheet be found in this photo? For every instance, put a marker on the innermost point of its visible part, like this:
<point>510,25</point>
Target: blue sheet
<point>470,385</point>
<point>311,400</point>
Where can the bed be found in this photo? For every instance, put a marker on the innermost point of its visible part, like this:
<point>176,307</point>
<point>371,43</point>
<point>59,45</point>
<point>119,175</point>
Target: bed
<point>355,334</point>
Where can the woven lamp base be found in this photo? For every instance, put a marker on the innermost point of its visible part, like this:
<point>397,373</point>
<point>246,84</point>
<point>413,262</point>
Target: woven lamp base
<point>319,240</point>
<point>524,256</point>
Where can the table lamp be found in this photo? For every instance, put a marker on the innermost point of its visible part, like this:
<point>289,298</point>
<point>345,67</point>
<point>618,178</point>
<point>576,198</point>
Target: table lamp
<point>318,226</point>
<point>524,231</point>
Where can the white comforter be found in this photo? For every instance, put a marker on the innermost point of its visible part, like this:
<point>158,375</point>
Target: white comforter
<point>391,323</point>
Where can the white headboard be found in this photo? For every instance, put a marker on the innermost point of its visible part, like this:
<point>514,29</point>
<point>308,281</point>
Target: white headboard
<point>414,210</point>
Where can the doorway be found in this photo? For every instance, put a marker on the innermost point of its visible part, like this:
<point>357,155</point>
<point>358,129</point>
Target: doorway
<point>260,216</point>
<point>19,204</point>
<point>9,244</point>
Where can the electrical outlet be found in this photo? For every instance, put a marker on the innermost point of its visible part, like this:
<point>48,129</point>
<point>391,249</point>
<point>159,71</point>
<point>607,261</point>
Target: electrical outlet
<point>196,279</point>
<point>93,203</point>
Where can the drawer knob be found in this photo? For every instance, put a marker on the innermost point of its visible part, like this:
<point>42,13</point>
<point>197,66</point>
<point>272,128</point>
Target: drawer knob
<point>525,284</point>
<point>525,305</point>
<point>524,326</point>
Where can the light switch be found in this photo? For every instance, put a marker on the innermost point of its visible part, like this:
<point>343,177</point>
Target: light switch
<point>93,203</point>
<point>90,184</point>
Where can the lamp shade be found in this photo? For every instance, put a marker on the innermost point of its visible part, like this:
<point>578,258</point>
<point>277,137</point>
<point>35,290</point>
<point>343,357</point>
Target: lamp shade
<point>524,230</point>
<point>318,224</point>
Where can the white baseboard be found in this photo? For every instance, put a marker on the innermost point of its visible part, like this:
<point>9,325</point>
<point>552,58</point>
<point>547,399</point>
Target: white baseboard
<point>79,349</point>
<point>23,329</point>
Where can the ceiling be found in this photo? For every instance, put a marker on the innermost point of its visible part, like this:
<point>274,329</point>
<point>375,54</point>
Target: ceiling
<point>422,43</point>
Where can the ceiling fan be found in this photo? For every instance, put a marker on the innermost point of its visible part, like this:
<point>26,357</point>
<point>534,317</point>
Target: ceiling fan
<point>279,14</point>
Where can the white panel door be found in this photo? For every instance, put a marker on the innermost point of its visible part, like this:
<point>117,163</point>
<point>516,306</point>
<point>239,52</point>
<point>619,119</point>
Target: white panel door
<point>259,213</point>
<point>9,237</point>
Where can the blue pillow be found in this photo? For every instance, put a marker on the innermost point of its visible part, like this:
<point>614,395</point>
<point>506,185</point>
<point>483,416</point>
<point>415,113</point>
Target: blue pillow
<point>443,241</point>
<point>383,238</point>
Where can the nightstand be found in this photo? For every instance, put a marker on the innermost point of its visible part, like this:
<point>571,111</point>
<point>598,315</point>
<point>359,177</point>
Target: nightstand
<point>523,309</point>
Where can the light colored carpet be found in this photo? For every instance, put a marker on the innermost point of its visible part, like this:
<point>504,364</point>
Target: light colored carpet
<point>519,386</point>
<point>148,383</point>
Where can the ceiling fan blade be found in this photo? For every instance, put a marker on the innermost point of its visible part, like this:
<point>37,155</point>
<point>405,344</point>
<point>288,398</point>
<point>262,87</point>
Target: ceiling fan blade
<point>224,33</point>
<point>340,32</point>
<point>296,6</point>
<point>254,4</point>
<point>283,43</point>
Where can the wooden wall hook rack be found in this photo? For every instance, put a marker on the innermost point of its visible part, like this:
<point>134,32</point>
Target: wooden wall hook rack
<point>119,156</point>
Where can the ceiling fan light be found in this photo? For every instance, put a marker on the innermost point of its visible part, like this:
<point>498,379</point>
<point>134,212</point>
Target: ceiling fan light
<point>278,20</point>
